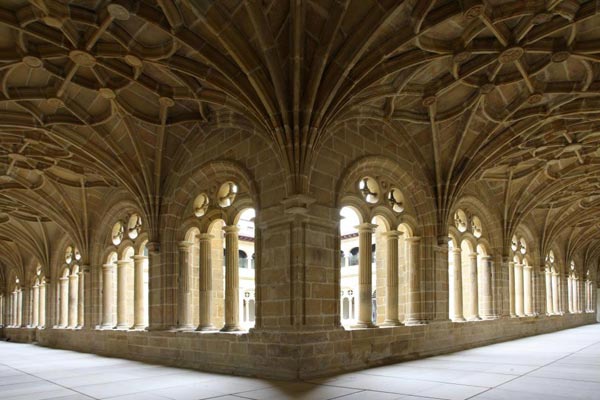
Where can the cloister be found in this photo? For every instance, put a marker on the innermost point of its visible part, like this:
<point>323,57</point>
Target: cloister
<point>292,189</point>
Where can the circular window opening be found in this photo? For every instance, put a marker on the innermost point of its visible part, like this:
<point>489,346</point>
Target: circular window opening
<point>134,226</point>
<point>460,220</point>
<point>227,193</point>
<point>369,189</point>
<point>551,256</point>
<point>201,205</point>
<point>476,227</point>
<point>523,246</point>
<point>117,233</point>
<point>514,243</point>
<point>69,255</point>
<point>396,200</point>
<point>76,254</point>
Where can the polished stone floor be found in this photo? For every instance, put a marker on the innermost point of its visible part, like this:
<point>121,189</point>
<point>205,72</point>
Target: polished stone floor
<point>561,365</point>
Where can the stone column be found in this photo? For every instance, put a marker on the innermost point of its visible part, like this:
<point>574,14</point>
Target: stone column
<point>232,280</point>
<point>139,305</point>
<point>511,289</point>
<point>365,275</point>
<point>549,303</point>
<point>391,307</point>
<point>519,309</point>
<point>25,307</point>
<point>577,295</point>
<point>36,306</point>
<point>42,308</point>
<point>185,287</point>
<point>64,302</point>
<point>122,279</point>
<point>413,306</point>
<point>107,296</point>
<point>486,288</point>
<point>73,300</point>
<point>474,288</point>
<point>570,293</point>
<point>205,283</point>
<point>458,291</point>
<point>1,310</point>
<point>527,292</point>
<point>81,297</point>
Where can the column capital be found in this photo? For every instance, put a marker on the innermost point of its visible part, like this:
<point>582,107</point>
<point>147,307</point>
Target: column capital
<point>205,236</point>
<point>107,266</point>
<point>413,239</point>
<point>153,247</point>
<point>486,258</point>
<point>121,263</point>
<point>525,266</point>
<point>63,278</point>
<point>456,251</point>
<point>231,229</point>
<point>74,276</point>
<point>184,245</point>
<point>366,227</point>
<point>138,257</point>
<point>473,255</point>
<point>392,234</point>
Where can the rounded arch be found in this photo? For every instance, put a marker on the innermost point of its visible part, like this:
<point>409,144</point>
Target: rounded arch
<point>419,199</point>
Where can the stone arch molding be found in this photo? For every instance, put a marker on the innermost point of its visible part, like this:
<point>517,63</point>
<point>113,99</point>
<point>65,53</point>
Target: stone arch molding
<point>418,203</point>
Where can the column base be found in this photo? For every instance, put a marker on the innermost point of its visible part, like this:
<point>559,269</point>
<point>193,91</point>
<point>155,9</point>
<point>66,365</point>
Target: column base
<point>458,319</point>
<point>206,328</point>
<point>489,317</point>
<point>231,328</point>
<point>391,322</point>
<point>361,325</point>
<point>106,327</point>
<point>186,328</point>
<point>139,327</point>
<point>473,319</point>
<point>122,327</point>
<point>414,322</point>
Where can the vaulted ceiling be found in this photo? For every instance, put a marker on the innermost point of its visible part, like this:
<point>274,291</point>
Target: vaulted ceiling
<point>98,95</point>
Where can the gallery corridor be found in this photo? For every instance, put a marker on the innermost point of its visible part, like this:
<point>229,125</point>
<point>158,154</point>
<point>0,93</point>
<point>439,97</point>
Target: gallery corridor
<point>560,365</point>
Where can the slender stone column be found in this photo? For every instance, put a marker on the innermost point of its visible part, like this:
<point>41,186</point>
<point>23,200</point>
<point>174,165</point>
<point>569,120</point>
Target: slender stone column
<point>1,310</point>
<point>365,275</point>
<point>577,296</point>
<point>519,309</point>
<point>25,307</point>
<point>232,281</point>
<point>14,305</point>
<point>570,293</point>
<point>18,299</point>
<point>205,283</point>
<point>64,302</point>
<point>122,279</point>
<point>107,296</point>
<point>457,292</point>
<point>511,289</point>
<point>549,303</point>
<point>42,309</point>
<point>139,305</point>
<point>527,292</point>
<point>391,308</point>
<point>473,288</point>
<point>81,297</point>
<point>185,287</point>
<point>413,307</point>
<point>73,297</point>
<point>36,306</point>
<point>486,288</point>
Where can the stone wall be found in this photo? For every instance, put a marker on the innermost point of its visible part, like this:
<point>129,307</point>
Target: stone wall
<point>295,354</point>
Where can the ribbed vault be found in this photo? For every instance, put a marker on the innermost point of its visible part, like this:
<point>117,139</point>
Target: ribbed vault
<point>99,94</point>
